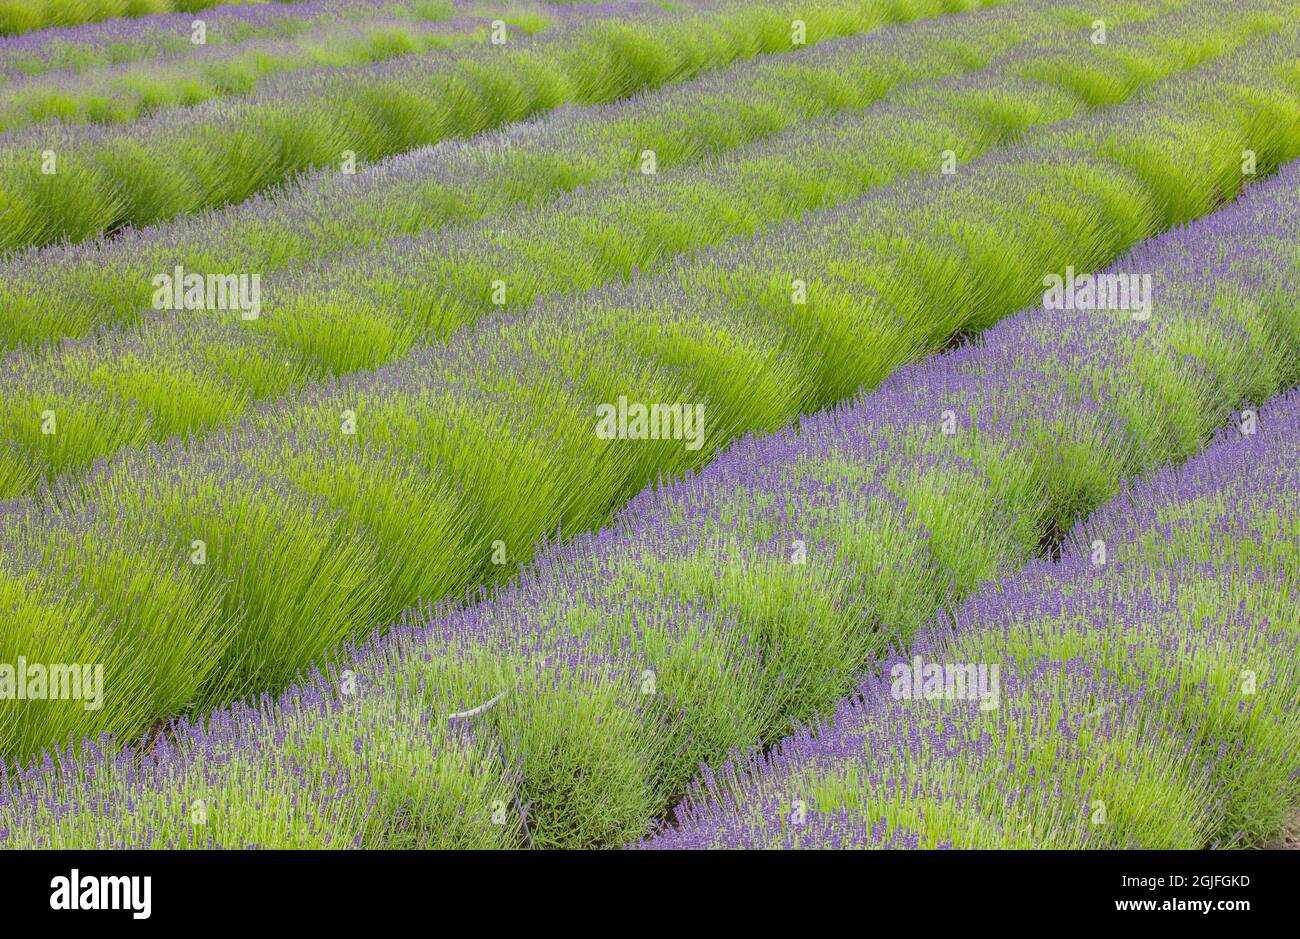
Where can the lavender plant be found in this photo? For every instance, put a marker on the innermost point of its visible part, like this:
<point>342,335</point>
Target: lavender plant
<point>1153,611</point>
<point>366,309</point>
<point>603,698</point>
<point>525,391</point>
<point>308,120</point>
<point>122,41</point>
<point>121,94</point>
<point>67,291</point>
<point>17,18</point>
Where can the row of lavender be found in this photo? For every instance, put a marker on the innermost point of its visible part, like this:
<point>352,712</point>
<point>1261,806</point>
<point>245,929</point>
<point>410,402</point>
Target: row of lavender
<point>72,289</point>
<point>226,150</point>
<point>122,41</point>
<point>42,21</point>
<point>368,307</point>
<point>119,94</point>
<point>572,708</point>
<point>1144,690</point>
<point>201,572</point>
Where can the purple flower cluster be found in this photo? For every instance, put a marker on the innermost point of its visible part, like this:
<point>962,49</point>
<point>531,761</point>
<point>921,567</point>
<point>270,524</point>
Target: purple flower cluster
<point>1204,557</point>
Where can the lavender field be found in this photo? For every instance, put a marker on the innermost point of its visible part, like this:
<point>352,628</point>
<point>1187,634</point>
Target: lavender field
<point>717,424</point>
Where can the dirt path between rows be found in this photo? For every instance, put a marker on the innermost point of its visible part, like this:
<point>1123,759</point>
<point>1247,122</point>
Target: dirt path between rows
<point>1289,840</point>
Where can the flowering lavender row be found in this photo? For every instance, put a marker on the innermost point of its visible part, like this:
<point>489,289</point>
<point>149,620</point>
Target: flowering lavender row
<point>122,93</point>
<point>366,308</point>
<point>223,151</point>
<point>319,487</point>
<point>720,607</point>
<point>1198,571</point>
<point>891,773</point>
<point>1167,607</point>
<point>68,290</point>
<point>1197,510</point>
<point>66,20</point>
<point>121,40</point>
<point>304,85</point>
<point>202,70</point>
